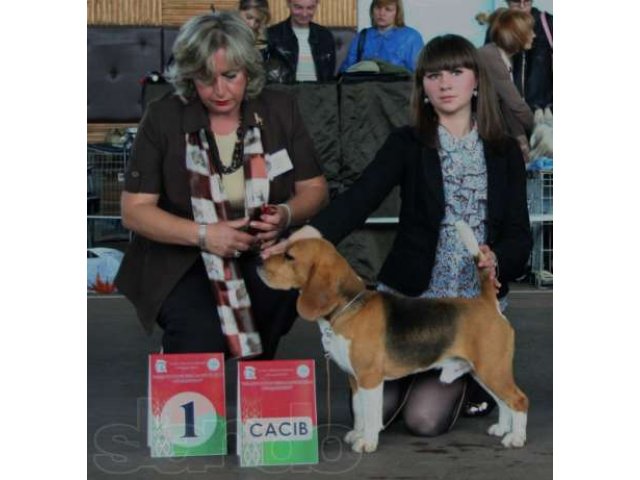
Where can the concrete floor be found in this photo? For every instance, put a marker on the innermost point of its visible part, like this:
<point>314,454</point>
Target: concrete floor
<point>116,433</point>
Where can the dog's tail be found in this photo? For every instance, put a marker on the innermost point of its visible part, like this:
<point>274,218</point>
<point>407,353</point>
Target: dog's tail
<point>469,240</point>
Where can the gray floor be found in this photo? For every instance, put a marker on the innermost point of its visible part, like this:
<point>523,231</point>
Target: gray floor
<point>116,433</point>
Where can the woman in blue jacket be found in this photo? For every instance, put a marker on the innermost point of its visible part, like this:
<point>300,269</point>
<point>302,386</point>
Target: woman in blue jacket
<point>388,39</point>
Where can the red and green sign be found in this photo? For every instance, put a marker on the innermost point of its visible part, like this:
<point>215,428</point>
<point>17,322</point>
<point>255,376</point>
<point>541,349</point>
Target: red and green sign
<point>277,421</point>
<point>187,415</point>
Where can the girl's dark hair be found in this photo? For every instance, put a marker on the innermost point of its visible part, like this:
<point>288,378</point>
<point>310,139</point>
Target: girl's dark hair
<point>448,52</point>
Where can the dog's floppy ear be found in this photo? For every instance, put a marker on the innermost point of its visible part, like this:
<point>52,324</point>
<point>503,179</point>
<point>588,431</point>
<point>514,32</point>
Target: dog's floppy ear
<point>318,296</point>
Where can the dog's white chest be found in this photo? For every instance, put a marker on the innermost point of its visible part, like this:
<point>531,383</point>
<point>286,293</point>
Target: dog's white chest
<point>336,346</point>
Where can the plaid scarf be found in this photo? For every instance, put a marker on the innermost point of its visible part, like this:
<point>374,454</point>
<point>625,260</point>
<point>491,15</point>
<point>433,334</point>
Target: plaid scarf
<point>210,205</point>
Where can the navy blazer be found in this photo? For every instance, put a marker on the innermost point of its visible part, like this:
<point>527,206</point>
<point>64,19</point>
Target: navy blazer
<point>405,161</point>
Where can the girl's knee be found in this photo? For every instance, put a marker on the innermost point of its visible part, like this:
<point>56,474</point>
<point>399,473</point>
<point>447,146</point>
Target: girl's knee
<point>426,425</point>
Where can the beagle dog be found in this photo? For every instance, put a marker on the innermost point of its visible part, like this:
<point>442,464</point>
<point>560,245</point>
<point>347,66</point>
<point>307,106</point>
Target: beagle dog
<point>377,336</point>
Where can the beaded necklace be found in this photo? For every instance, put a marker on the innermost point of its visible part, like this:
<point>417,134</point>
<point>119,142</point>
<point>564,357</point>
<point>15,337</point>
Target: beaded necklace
<point>237,160</point>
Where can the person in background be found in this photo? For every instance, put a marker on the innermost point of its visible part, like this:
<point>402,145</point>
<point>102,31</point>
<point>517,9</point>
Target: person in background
<point>388,39</point>
<point>511,32</point>
<point>257,16</point>
<point>453,163</point>
<point>200,202</point>
<point>308,48</point>
<point>533,68</point>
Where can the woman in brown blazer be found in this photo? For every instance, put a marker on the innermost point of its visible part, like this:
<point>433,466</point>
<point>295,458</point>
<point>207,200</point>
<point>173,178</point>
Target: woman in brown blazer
<point>511,32</point>
<point>220,169</point>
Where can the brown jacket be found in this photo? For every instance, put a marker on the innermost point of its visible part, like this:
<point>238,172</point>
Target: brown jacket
<point>518,115</point>
<point>150,269</point>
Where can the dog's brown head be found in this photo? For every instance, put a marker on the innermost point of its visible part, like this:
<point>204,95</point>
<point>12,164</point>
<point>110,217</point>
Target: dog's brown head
<point>323,276</point>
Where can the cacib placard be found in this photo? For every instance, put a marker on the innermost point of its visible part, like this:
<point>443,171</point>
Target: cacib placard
<point>277,420</point>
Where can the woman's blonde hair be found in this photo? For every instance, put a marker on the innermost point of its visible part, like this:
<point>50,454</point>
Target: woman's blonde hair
<point>448,52</point>
<point>262,7</point>
<point>200,37</point>
<point>510,29</point>
<point>399,22</point>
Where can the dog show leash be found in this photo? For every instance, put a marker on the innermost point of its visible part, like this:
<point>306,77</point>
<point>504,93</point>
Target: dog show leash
<point>346,306</point>
<point>327,357</point>
<point>327,363</point>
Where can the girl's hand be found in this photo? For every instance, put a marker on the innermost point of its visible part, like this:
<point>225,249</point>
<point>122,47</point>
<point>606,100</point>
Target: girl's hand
<point>305,232</point>
<point>490,263</point>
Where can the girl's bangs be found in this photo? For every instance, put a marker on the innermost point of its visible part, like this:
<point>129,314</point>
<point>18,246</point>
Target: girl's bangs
<point>448,53</point>
<point>438,61</point>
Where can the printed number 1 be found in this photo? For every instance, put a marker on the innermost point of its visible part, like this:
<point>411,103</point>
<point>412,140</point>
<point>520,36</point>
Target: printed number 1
<point>189,431</point>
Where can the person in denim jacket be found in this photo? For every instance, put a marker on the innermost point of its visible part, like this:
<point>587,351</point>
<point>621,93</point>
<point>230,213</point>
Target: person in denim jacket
<point>388,39</point>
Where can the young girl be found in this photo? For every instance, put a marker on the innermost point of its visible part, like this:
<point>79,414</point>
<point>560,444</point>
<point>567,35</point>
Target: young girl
<point>453,163</point>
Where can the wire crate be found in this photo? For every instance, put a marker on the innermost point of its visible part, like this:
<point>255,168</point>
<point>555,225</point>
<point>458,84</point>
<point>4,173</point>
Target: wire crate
<point>542,254</point>
<point>106,165</point>
<point>105,231</point>
<point>540,204</point>
<point>540,192</point>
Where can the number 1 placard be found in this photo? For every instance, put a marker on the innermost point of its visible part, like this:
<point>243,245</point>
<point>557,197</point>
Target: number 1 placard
<point>187,414</point>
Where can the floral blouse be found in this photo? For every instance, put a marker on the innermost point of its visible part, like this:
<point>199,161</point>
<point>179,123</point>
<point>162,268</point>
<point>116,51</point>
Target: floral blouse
<point>464,176</point>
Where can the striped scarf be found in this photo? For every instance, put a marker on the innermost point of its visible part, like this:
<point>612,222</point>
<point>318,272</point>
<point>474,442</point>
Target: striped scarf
<point>210,205</point>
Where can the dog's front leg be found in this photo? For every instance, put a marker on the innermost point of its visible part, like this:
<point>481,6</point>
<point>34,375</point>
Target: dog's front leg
<point>358,413</point>
<point>371,402</point>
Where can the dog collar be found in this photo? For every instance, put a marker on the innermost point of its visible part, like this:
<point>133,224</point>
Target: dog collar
<point>345,307</point>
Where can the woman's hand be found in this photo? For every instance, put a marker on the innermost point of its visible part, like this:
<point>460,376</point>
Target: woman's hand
<point>274,219</point>
<point>489,262</point>
<point>226,239</point>
<point>305,232</point>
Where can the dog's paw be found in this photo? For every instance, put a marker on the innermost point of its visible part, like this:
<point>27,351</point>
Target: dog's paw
<point>498,430</point>
<point>363,446</point>
<point>514,440</point>
<point>352,436</point>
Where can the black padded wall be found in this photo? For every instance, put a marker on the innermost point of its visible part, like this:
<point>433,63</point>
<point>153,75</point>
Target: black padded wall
<point>117,58</point>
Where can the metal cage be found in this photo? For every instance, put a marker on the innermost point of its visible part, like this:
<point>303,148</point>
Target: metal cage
<point>540,203</point>
<point>106,165</point>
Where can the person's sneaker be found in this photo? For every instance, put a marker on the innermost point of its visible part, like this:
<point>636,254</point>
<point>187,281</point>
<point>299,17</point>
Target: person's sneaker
<point>471,409</point>
<point>478,402</point>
